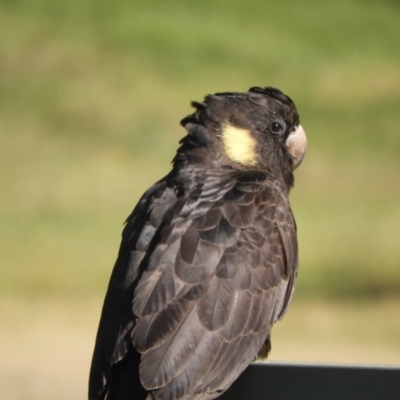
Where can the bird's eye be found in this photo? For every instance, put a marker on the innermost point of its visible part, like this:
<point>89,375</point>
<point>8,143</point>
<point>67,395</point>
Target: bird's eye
<point>277,127</point>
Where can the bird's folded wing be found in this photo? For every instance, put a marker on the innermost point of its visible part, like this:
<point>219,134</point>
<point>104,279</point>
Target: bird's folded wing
<point>201,277</point>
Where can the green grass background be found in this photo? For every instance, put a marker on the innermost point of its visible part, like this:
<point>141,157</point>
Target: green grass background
<point>91,95</point>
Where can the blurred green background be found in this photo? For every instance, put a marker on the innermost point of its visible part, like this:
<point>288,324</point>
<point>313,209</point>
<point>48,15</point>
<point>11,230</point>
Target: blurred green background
<point>91,95</point>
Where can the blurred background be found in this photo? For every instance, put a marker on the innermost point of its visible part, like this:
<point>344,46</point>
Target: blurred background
<point>91,95</point>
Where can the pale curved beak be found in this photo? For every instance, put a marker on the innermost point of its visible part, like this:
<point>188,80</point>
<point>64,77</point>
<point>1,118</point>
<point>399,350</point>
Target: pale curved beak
<point>297,145</point>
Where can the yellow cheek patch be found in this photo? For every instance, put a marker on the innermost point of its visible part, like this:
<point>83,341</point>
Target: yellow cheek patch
<point>239,144</point>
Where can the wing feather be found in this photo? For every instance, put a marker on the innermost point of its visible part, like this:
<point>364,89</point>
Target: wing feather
<point>215,306</point>
<point>161,364</point>
<point>194,372</point>
<point>203,273</point>
<point>239,316</point>
<point>153,330</point>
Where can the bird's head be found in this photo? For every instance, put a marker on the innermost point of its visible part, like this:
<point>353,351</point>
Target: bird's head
<point>258,129</point>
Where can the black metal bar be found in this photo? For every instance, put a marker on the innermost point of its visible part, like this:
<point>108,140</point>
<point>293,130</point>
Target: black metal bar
<point>315,382</point>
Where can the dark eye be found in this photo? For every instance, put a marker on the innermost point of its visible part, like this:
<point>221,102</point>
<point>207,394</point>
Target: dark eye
<point>277,127</point>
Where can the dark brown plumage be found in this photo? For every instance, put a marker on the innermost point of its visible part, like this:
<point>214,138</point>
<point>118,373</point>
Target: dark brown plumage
<point>208,258</point>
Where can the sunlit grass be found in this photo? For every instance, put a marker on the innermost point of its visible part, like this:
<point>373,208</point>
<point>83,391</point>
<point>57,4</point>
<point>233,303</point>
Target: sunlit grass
<point>90,102</point>
<point>46,346</point>
<point>355,332</point>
